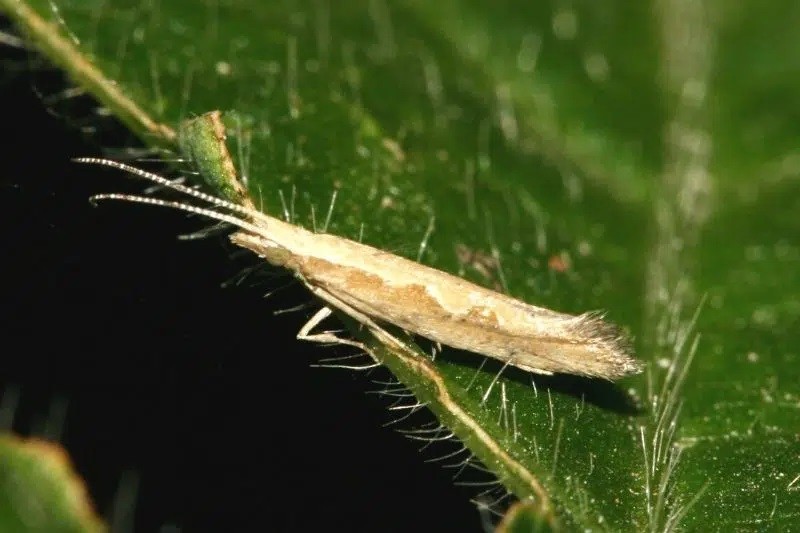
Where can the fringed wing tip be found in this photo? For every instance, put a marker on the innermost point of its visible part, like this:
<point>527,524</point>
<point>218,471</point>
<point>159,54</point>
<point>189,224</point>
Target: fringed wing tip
<point>615,345</point>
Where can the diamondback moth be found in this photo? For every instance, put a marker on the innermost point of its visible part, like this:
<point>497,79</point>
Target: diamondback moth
<point>375,287</point>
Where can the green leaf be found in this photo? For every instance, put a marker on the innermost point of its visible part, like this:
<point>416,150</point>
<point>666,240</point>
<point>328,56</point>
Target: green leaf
<point>39,490</point>
<point>633,157</point>
<point>523,517</point>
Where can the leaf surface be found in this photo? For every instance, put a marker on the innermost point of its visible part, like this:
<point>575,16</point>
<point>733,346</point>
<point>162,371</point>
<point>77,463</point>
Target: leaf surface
<point>634,158</point>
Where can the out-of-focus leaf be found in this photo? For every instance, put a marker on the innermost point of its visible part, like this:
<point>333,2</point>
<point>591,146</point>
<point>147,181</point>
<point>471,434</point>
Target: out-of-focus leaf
<point>39,490</point>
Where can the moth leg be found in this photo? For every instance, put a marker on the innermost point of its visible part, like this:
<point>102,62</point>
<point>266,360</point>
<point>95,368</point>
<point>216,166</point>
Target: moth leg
<point>334,302</point>
<point>324,337</point>
<point>533,369</point>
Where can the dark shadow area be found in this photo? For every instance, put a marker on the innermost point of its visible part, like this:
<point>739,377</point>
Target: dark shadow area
<point>599,392</point>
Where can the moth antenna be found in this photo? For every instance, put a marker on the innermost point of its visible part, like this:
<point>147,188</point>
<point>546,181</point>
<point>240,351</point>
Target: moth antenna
<point>155,178</point>
<point>202,211</point>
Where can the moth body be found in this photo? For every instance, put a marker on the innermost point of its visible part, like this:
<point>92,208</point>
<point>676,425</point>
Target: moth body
<point>374,286</point>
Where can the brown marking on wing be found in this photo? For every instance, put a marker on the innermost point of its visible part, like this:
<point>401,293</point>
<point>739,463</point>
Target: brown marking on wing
<point>481,315</point>
<point>415,295</point>
<point>356,281</point>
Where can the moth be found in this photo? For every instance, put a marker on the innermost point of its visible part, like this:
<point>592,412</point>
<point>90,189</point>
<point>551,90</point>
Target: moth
<point>375,287</point>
